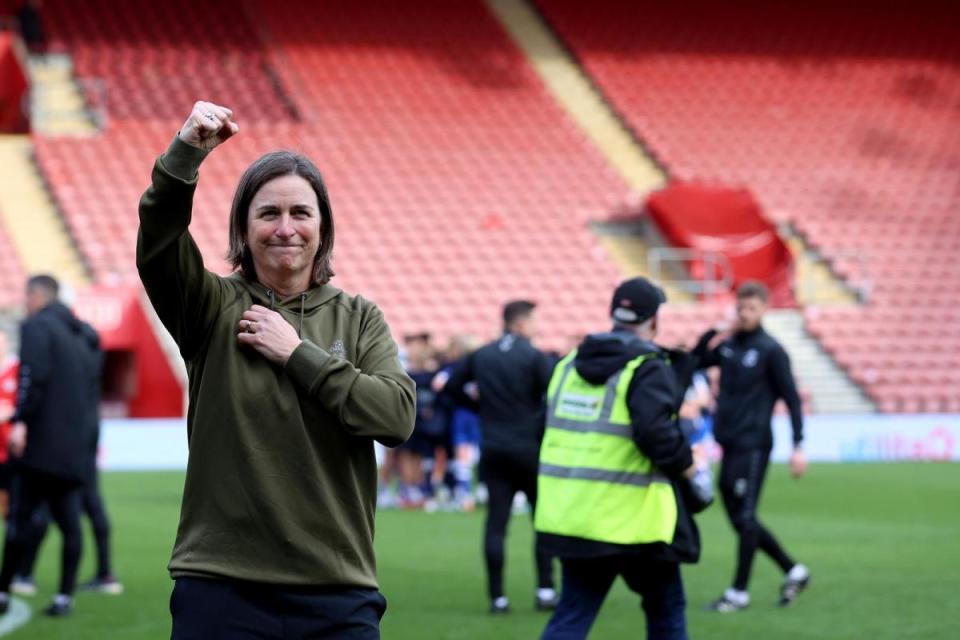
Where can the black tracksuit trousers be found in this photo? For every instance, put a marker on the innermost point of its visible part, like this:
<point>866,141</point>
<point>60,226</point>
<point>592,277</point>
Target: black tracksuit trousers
<point>741,479</point>
<point>505,474</point>
<point>34,491</point>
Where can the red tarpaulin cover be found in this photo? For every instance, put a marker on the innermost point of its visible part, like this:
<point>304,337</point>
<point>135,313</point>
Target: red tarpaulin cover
<point>13,88</point>
<point>729,222</point>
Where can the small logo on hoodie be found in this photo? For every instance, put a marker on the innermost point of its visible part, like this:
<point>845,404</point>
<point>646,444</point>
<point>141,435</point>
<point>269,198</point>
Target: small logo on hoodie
<point>337,349</point>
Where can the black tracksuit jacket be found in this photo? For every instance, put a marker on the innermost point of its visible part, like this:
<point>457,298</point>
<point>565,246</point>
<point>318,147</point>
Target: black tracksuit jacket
<point>59,392</point>
<point>512,378</point>
<point>754,374</point>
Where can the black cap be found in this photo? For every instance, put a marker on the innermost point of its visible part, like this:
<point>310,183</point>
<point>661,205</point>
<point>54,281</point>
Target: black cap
<point>636,300</point>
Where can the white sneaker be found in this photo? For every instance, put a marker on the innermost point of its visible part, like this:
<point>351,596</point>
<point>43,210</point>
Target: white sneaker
<point>797,580</point>
<point>547,600</point>
<point>731,600</point>
<point>798,573</point>
<point>500,605</point>
<point>23,587</point>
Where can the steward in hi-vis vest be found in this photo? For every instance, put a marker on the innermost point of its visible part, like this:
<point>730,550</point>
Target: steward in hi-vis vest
<point>594,481</point>
<point>612,463</point>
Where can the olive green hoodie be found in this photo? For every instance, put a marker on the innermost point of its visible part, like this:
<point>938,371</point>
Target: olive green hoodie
<point>281,479</point>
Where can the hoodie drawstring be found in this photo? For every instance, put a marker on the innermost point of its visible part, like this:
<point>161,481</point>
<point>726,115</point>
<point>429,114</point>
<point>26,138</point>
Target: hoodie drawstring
<point>303,302</point>
<point>303,299</point>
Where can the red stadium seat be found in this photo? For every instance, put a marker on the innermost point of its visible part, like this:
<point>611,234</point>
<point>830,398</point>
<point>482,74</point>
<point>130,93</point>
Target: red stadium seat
<point>12,274</point>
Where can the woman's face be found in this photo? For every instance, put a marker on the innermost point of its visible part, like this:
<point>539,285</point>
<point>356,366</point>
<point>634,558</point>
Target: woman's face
<point>283,227</point>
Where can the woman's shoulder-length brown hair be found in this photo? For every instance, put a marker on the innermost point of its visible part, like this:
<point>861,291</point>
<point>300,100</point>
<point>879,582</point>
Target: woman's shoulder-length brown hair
<point>275,165</point>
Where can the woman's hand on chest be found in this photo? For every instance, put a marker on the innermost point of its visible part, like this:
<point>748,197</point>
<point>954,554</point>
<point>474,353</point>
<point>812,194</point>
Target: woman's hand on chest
<point>268,333</point>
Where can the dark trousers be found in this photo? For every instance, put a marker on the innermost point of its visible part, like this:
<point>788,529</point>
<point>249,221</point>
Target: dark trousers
<point>741,480</point>
<point>237,610</point>
<point>586,582</point>
<point>95,509</point>
<point>506,474</point>
<point>35,491</point>
<point>91,502</point>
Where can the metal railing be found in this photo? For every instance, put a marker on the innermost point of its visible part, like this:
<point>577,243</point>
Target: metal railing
<point>670,266</point>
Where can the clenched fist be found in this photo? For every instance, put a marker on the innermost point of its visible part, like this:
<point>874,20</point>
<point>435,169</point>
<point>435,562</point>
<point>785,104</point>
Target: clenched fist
<point>208,125</point>
<point>266,331</point>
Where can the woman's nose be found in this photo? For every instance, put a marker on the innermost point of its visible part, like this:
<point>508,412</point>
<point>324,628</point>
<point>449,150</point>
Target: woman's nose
<point>285,226</point>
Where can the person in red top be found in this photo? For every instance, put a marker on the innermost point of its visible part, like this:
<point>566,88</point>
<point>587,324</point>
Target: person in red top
<point>9,366</point>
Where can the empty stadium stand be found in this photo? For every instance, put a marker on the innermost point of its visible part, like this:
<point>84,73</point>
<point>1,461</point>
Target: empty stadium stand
<point>457,182</point>
<point>154,57</point>
<point>844,119</point>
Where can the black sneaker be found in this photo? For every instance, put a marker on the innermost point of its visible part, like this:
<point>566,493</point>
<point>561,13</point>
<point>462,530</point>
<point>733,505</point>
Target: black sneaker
<point>107,585</point>
<point>58,609</point>
<point>4,603</point>
<point>727,604</point>
<point>547,604</point>
<point>791,589</point>
<point>500,606</point>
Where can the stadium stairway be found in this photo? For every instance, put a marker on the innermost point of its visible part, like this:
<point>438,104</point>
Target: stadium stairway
<point>57,106</point>
<point>830,389</point>
<point>577,93</point>
<point>815,283</point>
<point>573,90</point>
<point>35,228</point>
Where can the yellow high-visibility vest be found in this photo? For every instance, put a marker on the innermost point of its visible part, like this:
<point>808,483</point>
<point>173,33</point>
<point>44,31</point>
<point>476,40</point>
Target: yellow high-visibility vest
<point>594,482</point>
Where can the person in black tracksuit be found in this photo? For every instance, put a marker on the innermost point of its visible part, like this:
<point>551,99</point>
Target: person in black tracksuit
<point>91,499</point>
<point>60,363</point>
<point>754,374</point>
<point>512,378</point>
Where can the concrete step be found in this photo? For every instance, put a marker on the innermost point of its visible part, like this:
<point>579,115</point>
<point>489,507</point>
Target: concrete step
<point>831,390</point>
<point>40,237</point>
<point>57,105</point>
<point>815,282</point>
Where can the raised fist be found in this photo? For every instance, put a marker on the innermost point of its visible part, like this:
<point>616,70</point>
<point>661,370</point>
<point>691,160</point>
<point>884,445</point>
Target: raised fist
<point>208,125</point>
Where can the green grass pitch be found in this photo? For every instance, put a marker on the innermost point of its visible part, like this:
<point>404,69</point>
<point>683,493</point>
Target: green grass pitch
<point>882,541</point>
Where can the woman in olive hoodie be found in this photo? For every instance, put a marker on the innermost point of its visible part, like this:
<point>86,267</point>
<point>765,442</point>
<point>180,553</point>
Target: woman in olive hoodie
<point>291,382</point>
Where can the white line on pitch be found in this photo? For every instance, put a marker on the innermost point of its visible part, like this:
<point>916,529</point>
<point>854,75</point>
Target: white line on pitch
<point>17,616</point>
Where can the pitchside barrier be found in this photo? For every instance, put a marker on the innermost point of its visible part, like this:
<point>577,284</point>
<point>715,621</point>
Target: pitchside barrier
<point>133,445</point>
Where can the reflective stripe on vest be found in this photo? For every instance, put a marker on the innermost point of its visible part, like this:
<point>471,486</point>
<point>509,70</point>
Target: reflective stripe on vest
<point>585,473</point>
<point>594,482</point>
